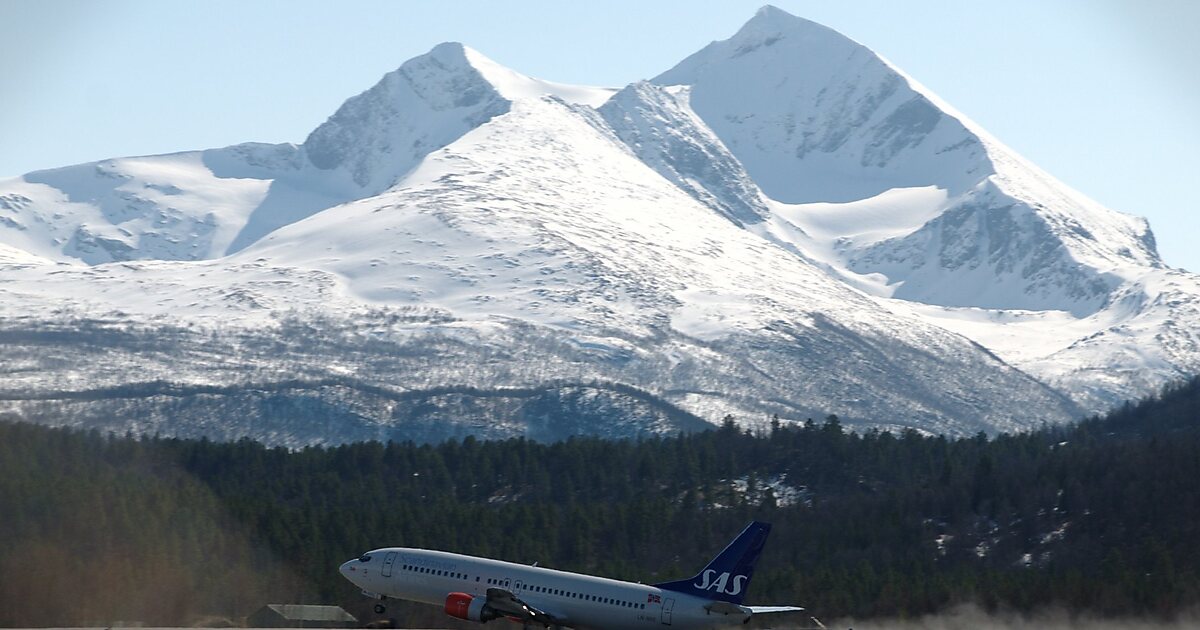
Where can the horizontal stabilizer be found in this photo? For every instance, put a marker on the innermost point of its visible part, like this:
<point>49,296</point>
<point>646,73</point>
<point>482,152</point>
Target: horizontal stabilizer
<point>758,610</point>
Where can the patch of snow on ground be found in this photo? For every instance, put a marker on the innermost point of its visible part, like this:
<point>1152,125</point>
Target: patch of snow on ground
<point>786,495</point>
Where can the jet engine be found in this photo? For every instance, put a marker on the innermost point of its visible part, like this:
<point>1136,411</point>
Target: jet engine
<point>464,606</point>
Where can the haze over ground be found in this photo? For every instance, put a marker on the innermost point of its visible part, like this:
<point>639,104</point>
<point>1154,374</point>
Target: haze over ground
<point>1102,94</point>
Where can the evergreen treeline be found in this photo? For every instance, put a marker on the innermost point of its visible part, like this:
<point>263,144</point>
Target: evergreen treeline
<point>1102,516</point>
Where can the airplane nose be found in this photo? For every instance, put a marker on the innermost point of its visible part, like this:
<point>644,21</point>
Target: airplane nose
<point>349,570</point>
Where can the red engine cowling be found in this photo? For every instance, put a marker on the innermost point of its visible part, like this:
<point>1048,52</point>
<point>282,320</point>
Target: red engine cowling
<point>464,606</point>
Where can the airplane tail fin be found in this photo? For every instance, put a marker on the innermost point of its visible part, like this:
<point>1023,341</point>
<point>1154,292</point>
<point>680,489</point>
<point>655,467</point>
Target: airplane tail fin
<point>727,577</point>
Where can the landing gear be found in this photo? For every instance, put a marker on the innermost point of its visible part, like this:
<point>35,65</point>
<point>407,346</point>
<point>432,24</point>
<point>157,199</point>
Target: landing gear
<point>380,609</point>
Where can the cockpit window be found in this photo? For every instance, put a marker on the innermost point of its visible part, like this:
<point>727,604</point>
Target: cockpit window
<point>366,557</point>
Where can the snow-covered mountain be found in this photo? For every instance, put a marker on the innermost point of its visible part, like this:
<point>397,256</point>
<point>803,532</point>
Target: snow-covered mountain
<point>781,224</point>
<point>905,198</point>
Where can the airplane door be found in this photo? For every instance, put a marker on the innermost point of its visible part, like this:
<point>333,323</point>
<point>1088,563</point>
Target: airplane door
<point>668,604</point>
<point>388,561</point>
<point>517,586</point>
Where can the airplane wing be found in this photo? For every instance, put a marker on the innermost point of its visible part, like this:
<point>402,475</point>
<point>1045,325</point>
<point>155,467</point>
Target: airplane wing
<point>503,601</point>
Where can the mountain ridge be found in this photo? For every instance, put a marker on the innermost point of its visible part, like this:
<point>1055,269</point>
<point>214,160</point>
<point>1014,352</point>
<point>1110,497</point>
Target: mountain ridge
<point>624,236</point>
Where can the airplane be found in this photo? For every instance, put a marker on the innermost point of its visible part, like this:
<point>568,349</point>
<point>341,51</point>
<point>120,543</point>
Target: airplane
<point>482,589</point>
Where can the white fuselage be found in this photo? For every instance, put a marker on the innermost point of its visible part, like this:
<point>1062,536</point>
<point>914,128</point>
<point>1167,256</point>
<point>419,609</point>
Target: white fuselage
<point>581,601</point>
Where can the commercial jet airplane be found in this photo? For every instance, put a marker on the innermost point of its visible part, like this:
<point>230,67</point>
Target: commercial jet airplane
<point>481,589</point>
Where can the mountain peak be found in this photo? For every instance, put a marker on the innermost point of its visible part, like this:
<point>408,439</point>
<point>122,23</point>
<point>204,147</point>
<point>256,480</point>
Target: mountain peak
<point>513,85</point>
<point>771,15</point>
<point>423,105</point>
<point>450,52</point>
<point>816,117</point>
<point>771,24</point>
<point>771,11</point>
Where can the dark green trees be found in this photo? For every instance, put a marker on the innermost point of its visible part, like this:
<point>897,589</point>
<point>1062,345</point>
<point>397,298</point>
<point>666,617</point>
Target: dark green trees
<point>1102,516</point>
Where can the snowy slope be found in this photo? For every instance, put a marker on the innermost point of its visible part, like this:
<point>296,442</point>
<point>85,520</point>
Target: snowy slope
<point>640,265</point>
<point>817,118</point>
<point>814,116</point>
<point>904,197</point>
<point>16,257</point>
<point>659,126</point>
<point>586,280</point>
<point>201,205</point>
<point>782,224</point>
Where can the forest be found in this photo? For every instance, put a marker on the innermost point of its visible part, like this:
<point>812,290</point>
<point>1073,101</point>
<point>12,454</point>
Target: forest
<point>1101,516</point>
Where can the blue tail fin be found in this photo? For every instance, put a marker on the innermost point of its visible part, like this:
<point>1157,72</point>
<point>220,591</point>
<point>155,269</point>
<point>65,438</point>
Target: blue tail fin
<point>727,577</point>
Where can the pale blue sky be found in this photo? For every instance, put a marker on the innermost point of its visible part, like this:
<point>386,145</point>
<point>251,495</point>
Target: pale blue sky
<point>1104,94</point>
